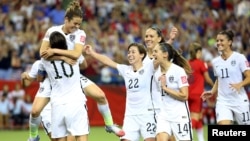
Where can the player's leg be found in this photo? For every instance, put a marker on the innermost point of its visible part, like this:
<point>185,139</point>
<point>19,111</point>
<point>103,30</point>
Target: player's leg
<point>224,115</point>
<point>195,106</point>
<point>240,118</point>
<point>46,120</point>
<point>35,118</point>
<point>93,91</point>
<point>76,121</point>
<point>40,101</point>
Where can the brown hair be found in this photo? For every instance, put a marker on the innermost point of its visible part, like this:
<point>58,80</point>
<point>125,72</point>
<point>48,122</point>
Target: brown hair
<point>74,10</point>
<point>175,57</point>
<point>229,35</point>
<point>158,32</point>
<point>141,48</point>
<point>193,49</point>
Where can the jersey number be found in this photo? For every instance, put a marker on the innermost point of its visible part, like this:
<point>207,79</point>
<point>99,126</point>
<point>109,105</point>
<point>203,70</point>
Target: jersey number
<point>133,83</point>
<point>246,116</point>
<point>151,127</point>
<point>66,74</point>
<point>184,129</point>
<point>224,73</point>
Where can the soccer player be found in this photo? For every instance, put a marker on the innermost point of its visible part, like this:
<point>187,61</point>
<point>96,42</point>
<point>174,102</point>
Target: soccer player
<point>233,74</point>
<point>196,87</point>
<point>174,117</point>
<point>153,36</point>
<point>68,103</point>
<point>139,116</point>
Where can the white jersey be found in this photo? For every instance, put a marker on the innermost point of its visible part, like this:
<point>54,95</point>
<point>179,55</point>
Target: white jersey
<point>65,82</point>
<point>138,98</point>
<point>79,36</point>
<point>155,89</point>
<point>33,74</point>
<point>228,72</point>
<point>173,109</point>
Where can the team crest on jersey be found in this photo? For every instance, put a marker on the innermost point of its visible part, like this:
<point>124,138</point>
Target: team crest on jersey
<point>171,78</point>
<point>41,89</point>
<point>72,37</point>
<point>233,62</point>
<point>141,71</point>
<point>184,79</point>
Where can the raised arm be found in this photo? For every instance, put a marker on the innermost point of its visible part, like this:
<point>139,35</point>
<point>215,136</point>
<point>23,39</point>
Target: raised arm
<point>172,35</point>
<point>102,58</point>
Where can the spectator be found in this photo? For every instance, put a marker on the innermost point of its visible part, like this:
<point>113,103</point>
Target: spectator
<point>5,105</point>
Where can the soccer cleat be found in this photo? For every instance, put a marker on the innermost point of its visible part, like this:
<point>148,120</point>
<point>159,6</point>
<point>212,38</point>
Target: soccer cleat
<point>35,139</point>
<point>115,129</point>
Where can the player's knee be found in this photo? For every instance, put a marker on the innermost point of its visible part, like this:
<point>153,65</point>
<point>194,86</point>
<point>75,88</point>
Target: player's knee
<point>101,99</point>
<point>35,112</point>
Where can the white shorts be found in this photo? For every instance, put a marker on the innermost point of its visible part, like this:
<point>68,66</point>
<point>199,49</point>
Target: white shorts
<point>136,125</point>
<point>85,82</point>
<point>69,119</point>
<point>181,130</point>
<point>46,118</point>
<point>44,89</point>
<point>239,113</point>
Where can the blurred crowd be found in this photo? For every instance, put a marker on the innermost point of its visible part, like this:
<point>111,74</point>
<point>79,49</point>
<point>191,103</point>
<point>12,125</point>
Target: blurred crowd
<point>15,107</point>
<point>111,25</point>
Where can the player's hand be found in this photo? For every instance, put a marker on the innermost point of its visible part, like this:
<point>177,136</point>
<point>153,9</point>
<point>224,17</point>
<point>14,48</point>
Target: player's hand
<point>172,35</point>
<point>88,49</point>
<point>162,80</point>
<point>205,95</point>
<point>24,75</point>
<point>47,53</point>
<point>235,87</point>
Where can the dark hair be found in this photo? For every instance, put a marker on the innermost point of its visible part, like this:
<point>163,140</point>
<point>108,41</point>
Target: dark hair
<point>158,32</point>
<point>229,34</point>
<point>193,48</point>
<point>140,47</point>
<point>57,40</point>
<point>175,57</point>
<point>74,10</point>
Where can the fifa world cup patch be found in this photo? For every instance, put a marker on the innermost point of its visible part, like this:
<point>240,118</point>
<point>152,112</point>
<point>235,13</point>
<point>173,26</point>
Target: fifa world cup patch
<point>184,79</point>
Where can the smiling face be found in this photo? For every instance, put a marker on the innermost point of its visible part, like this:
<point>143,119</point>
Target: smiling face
<point>223,43</point>
<point>73,24</point>
<point>151,38</point>
<point>134,55</point>
<point>159,55</point>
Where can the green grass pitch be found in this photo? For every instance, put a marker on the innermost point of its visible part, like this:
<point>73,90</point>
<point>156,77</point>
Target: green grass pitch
<point>96,134</point>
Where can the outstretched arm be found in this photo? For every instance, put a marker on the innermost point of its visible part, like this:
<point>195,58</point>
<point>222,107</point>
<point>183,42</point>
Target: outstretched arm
<point>102,58</point>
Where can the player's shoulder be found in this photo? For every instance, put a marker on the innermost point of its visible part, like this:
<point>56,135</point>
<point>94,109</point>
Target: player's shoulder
<point>55,28</point>
<point>237,54</point>
<point>37,63</point>
<point>177,68</point>
<point>80,32</point>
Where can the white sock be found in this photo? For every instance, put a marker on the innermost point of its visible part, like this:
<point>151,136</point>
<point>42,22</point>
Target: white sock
<point>200,134</point>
